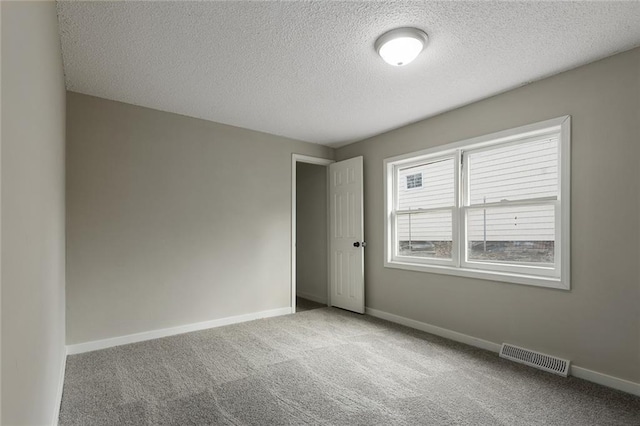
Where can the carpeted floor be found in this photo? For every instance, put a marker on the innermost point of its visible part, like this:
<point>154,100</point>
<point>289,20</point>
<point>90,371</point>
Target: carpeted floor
<point>307,305</point>
<point>324,366</point>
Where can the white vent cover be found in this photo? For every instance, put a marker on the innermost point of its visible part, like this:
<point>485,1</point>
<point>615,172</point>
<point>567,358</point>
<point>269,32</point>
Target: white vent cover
<point>535,359</point>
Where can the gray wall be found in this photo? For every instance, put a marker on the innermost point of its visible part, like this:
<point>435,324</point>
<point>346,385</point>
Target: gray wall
<point>172,220</point>
<point>597,323</point>
<point>311,231</point>
<point>33,219</point>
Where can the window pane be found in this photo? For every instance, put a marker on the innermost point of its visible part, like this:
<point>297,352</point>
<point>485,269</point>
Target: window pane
<point>511,234</point>
<point>414,181</point>
<point>429,185</point>
<point>514,172</point>
<point>425,235</point>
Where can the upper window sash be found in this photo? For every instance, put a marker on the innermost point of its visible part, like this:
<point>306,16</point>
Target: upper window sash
<point>417,163</point>
<point>551,133</point>
<point>466,160</point>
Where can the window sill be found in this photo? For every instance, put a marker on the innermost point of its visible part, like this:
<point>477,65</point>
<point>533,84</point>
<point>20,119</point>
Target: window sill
<point>508,277</point>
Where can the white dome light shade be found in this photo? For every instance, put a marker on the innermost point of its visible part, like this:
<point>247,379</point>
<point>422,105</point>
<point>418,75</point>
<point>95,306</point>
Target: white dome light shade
<point>400,46</point>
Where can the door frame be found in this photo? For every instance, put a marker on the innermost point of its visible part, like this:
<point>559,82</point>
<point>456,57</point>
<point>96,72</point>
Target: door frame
<point>295,159</point>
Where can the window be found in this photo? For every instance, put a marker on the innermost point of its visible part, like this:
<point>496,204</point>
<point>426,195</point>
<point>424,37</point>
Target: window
<point>414,180</point>
<point>494,207</point>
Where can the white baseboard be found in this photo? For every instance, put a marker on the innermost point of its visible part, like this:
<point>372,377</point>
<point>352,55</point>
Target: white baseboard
<point>58,401</point>
<point>438,331</point>
<point>165,332</point>
<point>311,297</point>
<point>576,371</point>
<point>606,380</point>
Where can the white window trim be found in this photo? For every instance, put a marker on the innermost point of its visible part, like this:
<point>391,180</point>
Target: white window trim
<point>561,125</point>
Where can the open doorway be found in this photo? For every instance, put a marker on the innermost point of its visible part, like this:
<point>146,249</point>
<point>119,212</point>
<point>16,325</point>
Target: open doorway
<point>309,278</point>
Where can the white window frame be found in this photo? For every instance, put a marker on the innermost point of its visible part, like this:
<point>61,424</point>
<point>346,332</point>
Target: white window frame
<point>554,277</point>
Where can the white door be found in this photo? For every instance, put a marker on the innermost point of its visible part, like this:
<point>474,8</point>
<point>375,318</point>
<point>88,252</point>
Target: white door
<point>346,241</point>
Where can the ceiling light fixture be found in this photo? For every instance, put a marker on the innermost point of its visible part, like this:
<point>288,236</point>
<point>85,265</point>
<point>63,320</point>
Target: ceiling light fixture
<point>400,46</point>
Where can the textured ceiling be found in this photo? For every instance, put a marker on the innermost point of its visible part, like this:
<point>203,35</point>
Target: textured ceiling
<point>308,70</point>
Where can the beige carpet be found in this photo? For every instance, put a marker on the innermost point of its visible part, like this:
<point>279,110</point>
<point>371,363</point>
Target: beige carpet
<point>324,367</point>
<point>307,305</point>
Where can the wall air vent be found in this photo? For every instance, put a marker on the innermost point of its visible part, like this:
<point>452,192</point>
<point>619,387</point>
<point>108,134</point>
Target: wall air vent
<point>535,359</point>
